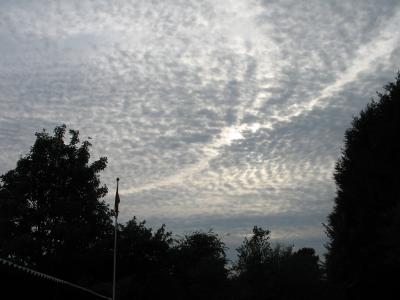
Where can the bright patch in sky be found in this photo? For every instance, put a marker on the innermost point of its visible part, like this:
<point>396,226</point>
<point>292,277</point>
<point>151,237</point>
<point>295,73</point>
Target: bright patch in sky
<point>230,134</point>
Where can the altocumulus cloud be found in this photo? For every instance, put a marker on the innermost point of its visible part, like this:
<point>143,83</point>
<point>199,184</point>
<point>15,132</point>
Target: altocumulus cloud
<point>215,114</point>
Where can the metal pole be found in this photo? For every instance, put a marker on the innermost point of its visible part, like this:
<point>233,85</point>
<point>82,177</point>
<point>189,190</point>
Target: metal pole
<point>115,239</point>
<point>115,254</point>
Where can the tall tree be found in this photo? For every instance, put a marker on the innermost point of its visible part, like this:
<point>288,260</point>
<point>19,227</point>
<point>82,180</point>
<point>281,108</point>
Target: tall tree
<point>255,270</point>
<point>275,272</point>
<point>143,261</point>
<point>51,212</point>
<point>254,253</point>
<point>199,266</point>
<point>364,225</point>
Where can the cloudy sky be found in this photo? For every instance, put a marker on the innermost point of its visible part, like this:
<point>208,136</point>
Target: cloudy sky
<point>214,114</point>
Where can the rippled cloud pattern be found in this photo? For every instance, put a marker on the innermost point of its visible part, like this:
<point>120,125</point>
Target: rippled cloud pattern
<point>214,114</point>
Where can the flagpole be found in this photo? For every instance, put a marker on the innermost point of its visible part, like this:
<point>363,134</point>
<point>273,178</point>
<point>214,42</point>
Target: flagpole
<point>115,239</point>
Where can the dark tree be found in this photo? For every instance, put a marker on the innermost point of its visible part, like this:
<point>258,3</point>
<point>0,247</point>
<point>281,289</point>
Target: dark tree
<point>52,217</point>
<point>364,226</point>
<point>302,275</point>
<point>254,253</point>
<point>199,266</point>
<point>143,261</point>
<point>266,272</point>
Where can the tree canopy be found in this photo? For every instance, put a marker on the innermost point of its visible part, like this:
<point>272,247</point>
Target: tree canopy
<point>143,259</point>
<point>264,271</point>
<point>51,212</point>
<point>364,225</point>
<point>53,219</point>
<point>199,266</point>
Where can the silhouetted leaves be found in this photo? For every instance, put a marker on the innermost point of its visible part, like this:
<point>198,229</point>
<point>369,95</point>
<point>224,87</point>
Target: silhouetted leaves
<point>143,259</point>
<point>52,219</point>
<point>199,266</point>
<point>266,272</point>
<point>364,225</point>
<point>51,215</point>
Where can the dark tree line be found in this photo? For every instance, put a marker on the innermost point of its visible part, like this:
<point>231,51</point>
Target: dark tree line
<point>53,220</point>
<point>279,272</point>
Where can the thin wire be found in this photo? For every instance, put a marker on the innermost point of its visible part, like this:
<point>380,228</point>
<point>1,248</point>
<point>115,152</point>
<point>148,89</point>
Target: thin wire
<point>52,278</point>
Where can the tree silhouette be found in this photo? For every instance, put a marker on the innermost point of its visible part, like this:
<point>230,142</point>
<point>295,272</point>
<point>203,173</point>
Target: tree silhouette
<point>198,266</point>
<point>275,272</point>
<point>254,253</point>
<point>51,215</point>
<point>143,260</point>
<point>364,226</point>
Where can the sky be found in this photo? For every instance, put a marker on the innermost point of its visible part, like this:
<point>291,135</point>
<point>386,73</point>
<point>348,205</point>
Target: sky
<point>215,114</point>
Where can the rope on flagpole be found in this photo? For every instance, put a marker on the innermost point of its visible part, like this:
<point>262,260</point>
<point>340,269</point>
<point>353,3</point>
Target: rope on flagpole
<point>51,278</point>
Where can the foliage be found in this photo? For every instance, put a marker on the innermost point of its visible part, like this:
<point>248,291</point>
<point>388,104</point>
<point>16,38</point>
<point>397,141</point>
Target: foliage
<point>254,253</point>
<point>364,225</point>
<point>51,215</point>
<point>52,219</point>
<point>143,258</point>
<point>199,266</point>
<point>139,246</point>
<point>266,272</point>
